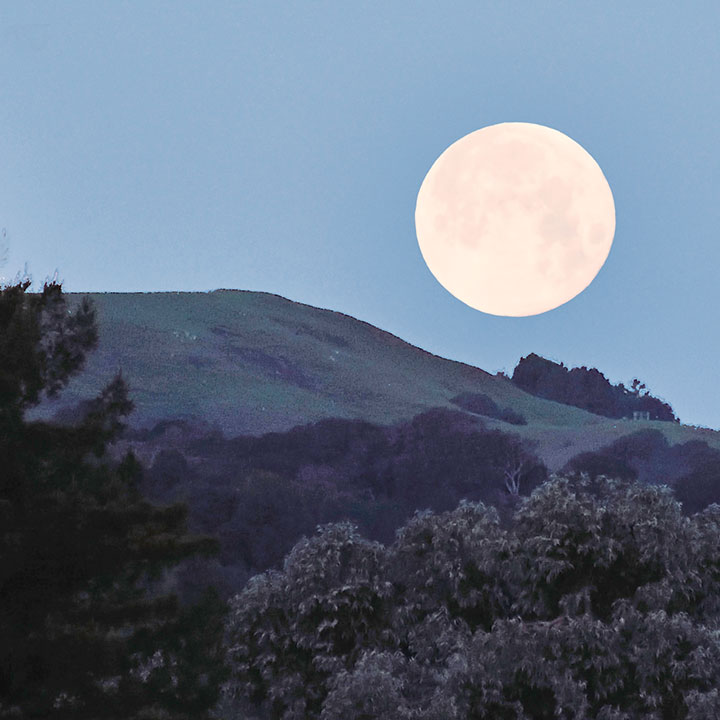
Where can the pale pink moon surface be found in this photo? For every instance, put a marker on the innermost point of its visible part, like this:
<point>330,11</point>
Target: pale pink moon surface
<point>515,219</point>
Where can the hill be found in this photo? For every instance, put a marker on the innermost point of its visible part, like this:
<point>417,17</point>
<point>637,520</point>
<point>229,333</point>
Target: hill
<point>269,417</point>
<point>251,363</point>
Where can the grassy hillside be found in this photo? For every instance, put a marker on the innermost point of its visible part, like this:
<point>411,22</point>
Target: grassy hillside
<point>254,362</point>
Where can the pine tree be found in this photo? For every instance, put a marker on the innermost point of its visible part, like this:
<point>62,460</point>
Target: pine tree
<point>81,634</point>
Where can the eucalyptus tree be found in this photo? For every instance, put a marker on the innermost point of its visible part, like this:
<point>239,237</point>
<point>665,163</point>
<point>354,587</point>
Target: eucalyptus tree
<point>599,601</point>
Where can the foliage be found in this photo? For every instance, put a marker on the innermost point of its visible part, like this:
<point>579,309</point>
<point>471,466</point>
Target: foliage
<point>453,560</point>
<point>587,388</point>
<point>691,468</point>
<point>260,495</point>
<point>292,630</point>
<point>442,456</point>
<point>598,601</point>
<point>700,487</point>
<point>81,635</point>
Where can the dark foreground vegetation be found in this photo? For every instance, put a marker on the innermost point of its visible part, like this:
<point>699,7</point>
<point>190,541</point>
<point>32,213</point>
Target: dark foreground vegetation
<point>600,600</point>
<point>83,631</point>
<point>515,596</point>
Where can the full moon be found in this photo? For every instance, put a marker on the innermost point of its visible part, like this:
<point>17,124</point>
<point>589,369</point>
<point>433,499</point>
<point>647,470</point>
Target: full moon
<point>515,219</point>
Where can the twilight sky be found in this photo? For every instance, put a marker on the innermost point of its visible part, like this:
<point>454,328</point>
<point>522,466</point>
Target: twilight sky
<point>152,146</point>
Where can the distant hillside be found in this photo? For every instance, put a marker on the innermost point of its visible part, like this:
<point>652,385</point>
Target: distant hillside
<point>254,362</point>
<point>251,363</point>
<point>269,417</point>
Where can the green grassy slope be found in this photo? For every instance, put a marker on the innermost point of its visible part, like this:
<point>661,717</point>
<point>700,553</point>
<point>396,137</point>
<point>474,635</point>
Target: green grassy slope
<point>255,362</point>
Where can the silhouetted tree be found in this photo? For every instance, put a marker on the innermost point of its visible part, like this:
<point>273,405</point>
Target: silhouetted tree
<point>82,637</point>
<point>587,388</point>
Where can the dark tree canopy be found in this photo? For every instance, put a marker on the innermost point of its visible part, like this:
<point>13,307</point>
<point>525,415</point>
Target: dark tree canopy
<point>598,602</point>
<point>587,388</point>
<point>82,636</point>
<point>691,468</point>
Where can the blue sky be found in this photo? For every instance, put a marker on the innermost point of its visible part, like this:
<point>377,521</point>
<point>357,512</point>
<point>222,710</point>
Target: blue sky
<point>150,146</point>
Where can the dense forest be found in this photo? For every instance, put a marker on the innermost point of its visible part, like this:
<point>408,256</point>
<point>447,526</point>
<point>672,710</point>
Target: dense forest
<point>431,568</point>
<point>260,495</point>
